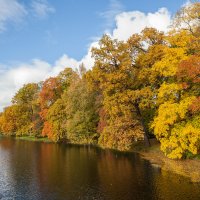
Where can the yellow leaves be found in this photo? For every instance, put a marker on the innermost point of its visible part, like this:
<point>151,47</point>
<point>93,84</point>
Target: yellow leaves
<point>173,102</point>
<point>152,36</point>
<point>180,40</point>
<point>177,50</point>
<point>121,134</point>
<point>131,84</point>
<point>168,114</point>
<point>176,136</point>
<point>172,124</point>
<point>168,91</point>
<point>184,105</point>
<point>130,75</point>
<point>168,65</point>
<point>184,138</point>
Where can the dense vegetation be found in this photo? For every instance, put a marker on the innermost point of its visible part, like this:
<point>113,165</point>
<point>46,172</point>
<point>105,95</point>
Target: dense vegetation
<point>149,84</point>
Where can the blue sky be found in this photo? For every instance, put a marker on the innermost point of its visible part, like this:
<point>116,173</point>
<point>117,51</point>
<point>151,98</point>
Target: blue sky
<point>39,38</point>
<point>68,27</point>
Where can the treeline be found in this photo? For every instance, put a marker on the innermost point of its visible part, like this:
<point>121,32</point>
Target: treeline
<point>149,84</point>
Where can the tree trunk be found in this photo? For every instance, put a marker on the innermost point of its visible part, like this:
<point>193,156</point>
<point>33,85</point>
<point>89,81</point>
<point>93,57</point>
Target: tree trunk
<point>146,134</point>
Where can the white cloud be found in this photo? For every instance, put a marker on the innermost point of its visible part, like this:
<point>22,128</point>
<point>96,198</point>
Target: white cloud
<point>42,8</point>
<point>13,78</point>
<point>128,23</point>
<point>10,11</point>
<point>87,60</point>
<point>62,63</point>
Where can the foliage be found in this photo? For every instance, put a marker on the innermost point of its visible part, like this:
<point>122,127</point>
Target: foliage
<point>176,123</point>
<point>115,76</point>
<point>16,120</point>
<point>82,117</point>
<point>54,124</point>
<point>149,84</point>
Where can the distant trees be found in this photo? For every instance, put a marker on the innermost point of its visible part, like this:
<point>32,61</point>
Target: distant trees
<point>82,117</point>
<point>21,117</point>
<point>149,84</point>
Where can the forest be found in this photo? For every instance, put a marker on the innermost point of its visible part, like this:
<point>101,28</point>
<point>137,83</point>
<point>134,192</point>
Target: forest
<point>147,86</point>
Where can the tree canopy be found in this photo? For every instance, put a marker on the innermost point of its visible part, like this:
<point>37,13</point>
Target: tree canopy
<point>147,85</point>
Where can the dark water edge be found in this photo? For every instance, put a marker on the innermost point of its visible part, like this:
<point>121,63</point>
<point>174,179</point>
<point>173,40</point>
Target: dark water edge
<point>40,171</point>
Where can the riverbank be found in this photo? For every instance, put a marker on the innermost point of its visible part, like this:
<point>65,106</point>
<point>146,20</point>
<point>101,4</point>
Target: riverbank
<point>29,138</point>
<point>189,168</point>
<point>34,139</point>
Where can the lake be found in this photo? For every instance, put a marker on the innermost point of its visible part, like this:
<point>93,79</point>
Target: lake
<point>47,171</point>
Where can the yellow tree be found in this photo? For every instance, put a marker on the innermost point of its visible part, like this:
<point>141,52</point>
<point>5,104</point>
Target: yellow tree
<point>176,124</point>
<point>114,75</point>
<point>15,120</point>
<point>146,49</point>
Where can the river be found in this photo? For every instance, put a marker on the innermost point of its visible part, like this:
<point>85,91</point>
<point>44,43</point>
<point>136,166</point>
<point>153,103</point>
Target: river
<point>47,171</point>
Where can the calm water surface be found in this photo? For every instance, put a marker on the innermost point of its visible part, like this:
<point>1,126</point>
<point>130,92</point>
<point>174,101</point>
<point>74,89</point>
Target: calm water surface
<point>42,171</point>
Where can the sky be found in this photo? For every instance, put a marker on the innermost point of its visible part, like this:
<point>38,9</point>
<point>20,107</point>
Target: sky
<point>39,38</point>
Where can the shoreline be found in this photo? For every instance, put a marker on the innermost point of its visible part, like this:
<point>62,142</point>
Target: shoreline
<point>29,138</point>
<point>189,168</point>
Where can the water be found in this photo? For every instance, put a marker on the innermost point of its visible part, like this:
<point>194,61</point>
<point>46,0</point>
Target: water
<point>42,171</point>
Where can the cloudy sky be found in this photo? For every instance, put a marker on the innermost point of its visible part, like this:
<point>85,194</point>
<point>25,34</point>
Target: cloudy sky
<point>39,38</point>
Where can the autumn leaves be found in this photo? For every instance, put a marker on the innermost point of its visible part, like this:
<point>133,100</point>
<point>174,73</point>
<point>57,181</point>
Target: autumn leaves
<point>149,84</point>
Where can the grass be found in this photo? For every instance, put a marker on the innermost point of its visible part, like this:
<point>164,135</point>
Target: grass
<point>34,139</point>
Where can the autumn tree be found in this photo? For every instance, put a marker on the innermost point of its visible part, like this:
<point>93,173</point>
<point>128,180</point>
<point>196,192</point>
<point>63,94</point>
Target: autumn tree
<point>27,96</point>
<point>188,18</point>
<point>20,118</point>
<point>146,49</point>
<point>51,103</point>
<point>177,122</point>
<point>15,120</point>
<point>114,74</point>
<point>54,126</point>
<point>81,112</point>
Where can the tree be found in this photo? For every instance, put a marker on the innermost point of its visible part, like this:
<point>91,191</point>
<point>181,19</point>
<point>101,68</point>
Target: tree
<point>114,74</point>
<point>54,126</point>
<point>52,107</point>
<point>81,112</point>
<point>146,49</point>
<point>15,120</point>
<point>188,18</point>
<point>176,124</point>
<point>20,118</point>
<point>27,96</point>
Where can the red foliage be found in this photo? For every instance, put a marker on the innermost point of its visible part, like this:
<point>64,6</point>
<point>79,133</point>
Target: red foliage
<point>195,107</point>
<point>47,130</point>
<point>50,92</point>
<point>43,113</point>
<point>189,70</point>
<point>102,122</point>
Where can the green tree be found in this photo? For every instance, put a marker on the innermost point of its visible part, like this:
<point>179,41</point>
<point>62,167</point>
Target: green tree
<point>82,117</point>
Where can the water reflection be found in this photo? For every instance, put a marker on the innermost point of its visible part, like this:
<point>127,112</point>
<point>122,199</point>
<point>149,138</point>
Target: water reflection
<point>40,171</point>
